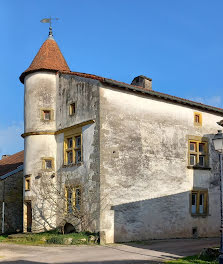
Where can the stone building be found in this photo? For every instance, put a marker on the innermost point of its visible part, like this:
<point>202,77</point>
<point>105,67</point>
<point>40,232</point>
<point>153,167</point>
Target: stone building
<point>11,193</point>
<point>122,159</point>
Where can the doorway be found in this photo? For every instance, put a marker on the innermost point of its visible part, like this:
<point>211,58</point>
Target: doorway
<point>29,216</point>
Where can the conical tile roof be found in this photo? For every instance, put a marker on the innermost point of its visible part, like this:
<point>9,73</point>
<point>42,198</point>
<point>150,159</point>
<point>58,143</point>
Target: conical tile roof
<point>49,57</point>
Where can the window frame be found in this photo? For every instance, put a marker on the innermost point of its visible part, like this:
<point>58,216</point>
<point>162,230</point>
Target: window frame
<point>27,183</point>
<point>74,148</point>
<point>199,115</point>
<point>44,159</point>
<point>42,114</point>
<point>72,107</point>
<point>198,192</point>
<point>197,153</point>
<point>71,203</point>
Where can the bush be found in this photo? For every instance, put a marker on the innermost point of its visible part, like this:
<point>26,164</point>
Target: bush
<point>55,240</point>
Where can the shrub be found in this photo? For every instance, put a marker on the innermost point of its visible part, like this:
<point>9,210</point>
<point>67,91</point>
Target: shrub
<point>55,240</point>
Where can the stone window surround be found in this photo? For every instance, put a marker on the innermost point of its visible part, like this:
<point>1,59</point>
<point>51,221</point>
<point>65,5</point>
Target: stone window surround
<point>42,114</point>
<point>197,140</point>
<point>199,191</point>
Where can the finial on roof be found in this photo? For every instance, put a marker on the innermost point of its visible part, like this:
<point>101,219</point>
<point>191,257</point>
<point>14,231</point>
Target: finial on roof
<point>49,20</point>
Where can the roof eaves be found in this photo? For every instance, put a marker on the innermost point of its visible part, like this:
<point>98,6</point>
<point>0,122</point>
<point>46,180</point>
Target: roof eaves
<point>164,96</point>
<point>148,92</point>
<point>20,168</point>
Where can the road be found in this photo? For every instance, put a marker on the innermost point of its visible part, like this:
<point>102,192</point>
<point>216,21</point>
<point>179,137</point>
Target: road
<point>153,252</point>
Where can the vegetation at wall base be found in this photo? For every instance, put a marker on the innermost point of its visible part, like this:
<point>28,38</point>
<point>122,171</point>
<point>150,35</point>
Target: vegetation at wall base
<point>193,260</point>
<point>52,238</point>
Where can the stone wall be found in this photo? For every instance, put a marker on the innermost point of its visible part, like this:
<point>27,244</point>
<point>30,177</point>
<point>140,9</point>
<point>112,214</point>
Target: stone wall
<point>13,202</point>
<point>85,94</point>
<point>145,182</point>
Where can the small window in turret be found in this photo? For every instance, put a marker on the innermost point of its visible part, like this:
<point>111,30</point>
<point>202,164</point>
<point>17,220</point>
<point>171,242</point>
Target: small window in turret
<point>46,114</point>
<point>48,164</point>
<point>72,109</point>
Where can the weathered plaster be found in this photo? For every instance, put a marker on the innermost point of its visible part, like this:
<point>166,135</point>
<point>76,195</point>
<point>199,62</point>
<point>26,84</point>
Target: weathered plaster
<point>145,182</point>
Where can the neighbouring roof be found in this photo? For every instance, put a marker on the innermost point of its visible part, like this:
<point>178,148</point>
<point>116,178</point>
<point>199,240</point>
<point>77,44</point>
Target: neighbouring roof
<point>11,163</point>
<point>49,57</point>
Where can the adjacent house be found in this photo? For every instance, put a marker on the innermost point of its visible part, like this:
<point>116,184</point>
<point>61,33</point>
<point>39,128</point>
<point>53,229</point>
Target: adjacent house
<point>11,193</point>
<point>122,159</point>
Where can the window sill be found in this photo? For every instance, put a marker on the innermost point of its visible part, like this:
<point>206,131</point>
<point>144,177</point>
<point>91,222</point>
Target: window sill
<point>198,168</point>
<point>27,190</point>
<point>73,165</point>
<point>199,215</point>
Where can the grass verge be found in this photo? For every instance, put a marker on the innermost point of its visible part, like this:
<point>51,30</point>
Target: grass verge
<point>51,237</point>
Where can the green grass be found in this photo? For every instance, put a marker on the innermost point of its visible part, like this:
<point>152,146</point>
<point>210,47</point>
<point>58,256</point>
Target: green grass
<point>3,237</point>
<point>51,237</point>
<point>194,260</point>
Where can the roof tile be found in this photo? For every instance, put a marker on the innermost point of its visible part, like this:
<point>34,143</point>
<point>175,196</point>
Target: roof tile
<point>49,57</point>
<point>11,163</point>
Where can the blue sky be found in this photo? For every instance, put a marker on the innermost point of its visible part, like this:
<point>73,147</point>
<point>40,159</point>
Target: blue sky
<point>177,43</point>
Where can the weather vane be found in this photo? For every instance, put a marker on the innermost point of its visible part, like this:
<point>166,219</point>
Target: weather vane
<point>49,20</point>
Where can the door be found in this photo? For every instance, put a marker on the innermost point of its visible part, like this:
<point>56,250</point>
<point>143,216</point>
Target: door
<point>29,216</point>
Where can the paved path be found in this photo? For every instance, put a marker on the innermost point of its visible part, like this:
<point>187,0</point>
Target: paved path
<point>153,252</point>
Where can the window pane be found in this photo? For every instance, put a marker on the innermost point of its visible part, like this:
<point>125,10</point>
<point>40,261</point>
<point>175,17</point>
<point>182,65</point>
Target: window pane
<point>46,115</point>
<point>69,201</point>
<point>78,198</point>
<point>193,203</point>
<point>69,157</point>
<point>78,141</point>
<point>201,203</point>
<point>201,147</point>
<point>69,142</point>
<point>201,161</point>
<point>192,159</point>
<point>197,118</point>
<point>72,109</point>
<point>193,146</point>
<point>48,164</point>
<point>78,156</point>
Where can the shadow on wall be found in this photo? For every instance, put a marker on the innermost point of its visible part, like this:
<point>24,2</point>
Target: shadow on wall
<point>170,216</point>
<point>159,218</point>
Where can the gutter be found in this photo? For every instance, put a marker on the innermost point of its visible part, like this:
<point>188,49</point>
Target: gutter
<point>20,168</point>
<point>163,96</point>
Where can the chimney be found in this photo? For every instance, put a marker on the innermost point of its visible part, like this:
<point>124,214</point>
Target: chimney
<point>5,156</point>
<point>143,81</point>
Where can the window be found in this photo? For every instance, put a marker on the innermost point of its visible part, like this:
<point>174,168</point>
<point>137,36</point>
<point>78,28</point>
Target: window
<point>197,119</point>
<point>72,109</point>
<point>48,164</point>
<point>199,202</point>
<point>73,149</point>
<point>27,183</point>
<point>198,152</point>
<point>73,199</point>
<point>46,114</point>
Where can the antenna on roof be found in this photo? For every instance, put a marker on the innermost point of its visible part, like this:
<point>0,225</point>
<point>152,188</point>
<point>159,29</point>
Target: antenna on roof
<point>49,20</point>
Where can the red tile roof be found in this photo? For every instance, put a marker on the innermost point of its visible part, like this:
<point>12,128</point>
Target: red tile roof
<point>11,163</point>
<point>49,57</point>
